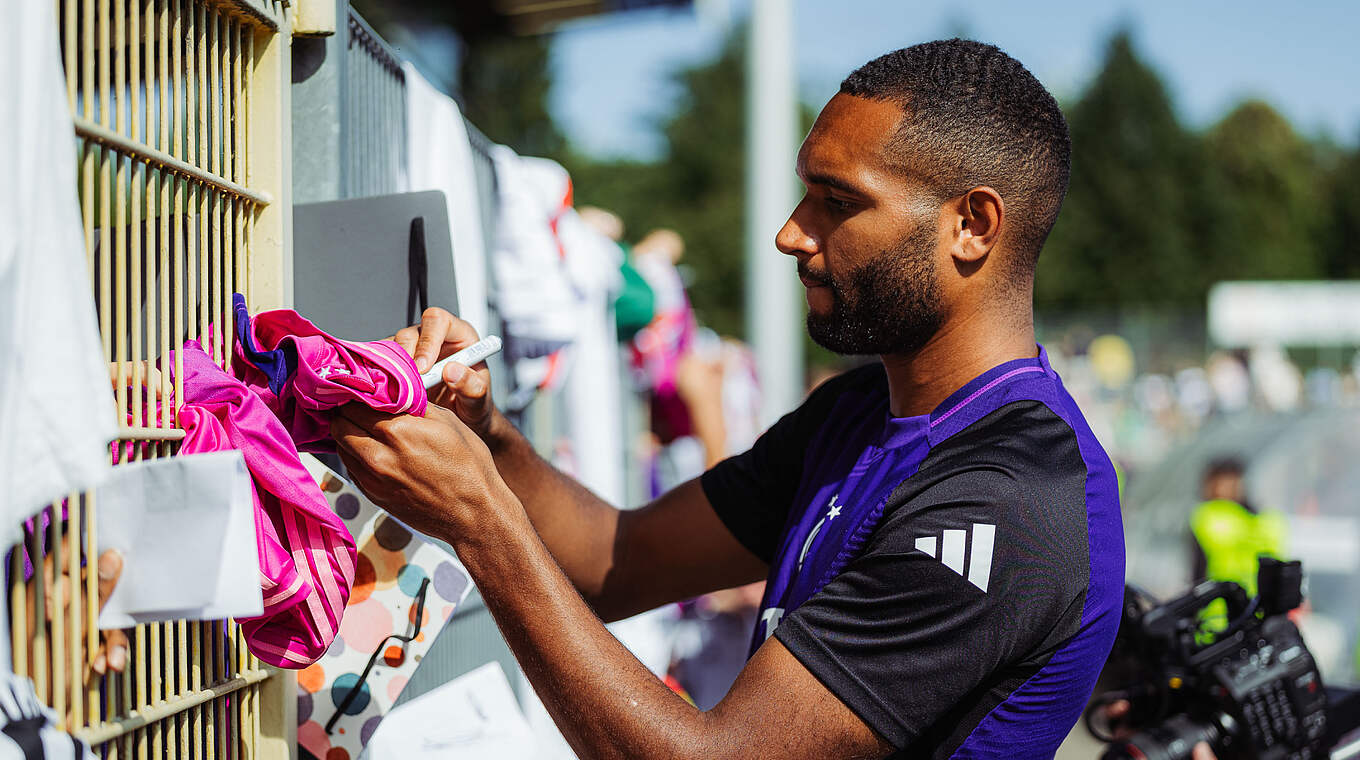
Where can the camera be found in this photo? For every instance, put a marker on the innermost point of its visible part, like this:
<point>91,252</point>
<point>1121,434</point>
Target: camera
<point>1218,667</point>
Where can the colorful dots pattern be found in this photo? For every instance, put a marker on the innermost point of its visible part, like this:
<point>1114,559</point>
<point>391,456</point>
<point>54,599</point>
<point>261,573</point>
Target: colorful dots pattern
<point>347,506</point>
<point>409,578</point>
<point>344,684</point>
<point>390,568</point>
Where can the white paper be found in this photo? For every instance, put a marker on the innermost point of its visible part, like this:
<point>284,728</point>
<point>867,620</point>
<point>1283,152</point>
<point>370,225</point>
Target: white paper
<point>185,526</point>
<point>472,716</point>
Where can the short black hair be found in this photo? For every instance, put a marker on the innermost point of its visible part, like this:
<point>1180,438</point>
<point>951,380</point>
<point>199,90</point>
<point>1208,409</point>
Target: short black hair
<point>972,116</point>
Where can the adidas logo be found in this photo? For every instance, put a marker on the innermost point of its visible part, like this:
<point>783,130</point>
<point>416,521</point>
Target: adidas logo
<point>953,545</point>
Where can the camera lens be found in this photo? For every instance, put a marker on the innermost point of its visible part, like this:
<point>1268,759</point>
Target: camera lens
<point>1173,740</point>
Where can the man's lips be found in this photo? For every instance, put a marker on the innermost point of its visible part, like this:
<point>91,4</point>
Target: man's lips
<point>811,282</point>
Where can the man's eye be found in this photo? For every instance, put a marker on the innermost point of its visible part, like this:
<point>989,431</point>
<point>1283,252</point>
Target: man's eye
<point>837,205</point>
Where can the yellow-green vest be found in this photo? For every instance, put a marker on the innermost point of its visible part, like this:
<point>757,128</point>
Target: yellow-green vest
<point>1233,539</point>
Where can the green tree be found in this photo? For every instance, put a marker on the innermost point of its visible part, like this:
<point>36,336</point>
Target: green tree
<point>1267,177</point>
<point>1133,227</point>
<point>697,188</point>
<point>503,88</point>
<point>1341,237</point>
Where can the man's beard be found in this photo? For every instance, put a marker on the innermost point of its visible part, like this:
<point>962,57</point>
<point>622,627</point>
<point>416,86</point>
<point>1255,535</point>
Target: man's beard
<point>889,305</point>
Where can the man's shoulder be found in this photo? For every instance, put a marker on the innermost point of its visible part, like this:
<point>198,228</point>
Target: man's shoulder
<point>1016,477</point>
<point>1021,443</point>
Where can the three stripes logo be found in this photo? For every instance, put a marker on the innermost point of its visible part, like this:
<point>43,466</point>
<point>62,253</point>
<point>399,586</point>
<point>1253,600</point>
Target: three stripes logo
<point>950,548</point>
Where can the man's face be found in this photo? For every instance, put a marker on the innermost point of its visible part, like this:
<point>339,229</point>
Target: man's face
<point>864,238</point>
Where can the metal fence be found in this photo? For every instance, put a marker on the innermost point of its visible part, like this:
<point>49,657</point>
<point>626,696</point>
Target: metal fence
<point>171,100</point>
<point>374,109</point>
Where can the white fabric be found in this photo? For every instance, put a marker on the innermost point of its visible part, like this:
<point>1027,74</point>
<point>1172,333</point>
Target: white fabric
<point>534,289</point>
<point>28,727</point>
<point>439,157</point>
<point>593,393</point>
<point>56,412</point>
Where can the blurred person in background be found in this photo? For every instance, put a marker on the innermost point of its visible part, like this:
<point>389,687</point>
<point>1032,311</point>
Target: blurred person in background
<point>1229,534</point>
<point>940,531</point>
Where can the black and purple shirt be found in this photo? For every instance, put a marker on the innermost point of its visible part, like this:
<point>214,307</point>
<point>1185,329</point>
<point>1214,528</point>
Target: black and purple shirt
<point>955,578</point>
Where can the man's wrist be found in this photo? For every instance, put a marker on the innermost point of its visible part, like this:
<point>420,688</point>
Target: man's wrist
<point>500,434</point>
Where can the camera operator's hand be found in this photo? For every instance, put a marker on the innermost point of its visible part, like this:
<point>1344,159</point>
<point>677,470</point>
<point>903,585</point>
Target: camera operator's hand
<point>466,390</point>
<point>1116,717</point>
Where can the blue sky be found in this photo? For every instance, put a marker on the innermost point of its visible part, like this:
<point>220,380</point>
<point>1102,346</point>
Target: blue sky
<point>610,74</point>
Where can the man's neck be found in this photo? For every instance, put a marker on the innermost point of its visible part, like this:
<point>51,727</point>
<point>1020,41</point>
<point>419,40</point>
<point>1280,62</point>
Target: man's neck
<point>960,351</point>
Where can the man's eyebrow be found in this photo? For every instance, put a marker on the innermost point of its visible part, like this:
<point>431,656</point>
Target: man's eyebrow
<point>832,181</point>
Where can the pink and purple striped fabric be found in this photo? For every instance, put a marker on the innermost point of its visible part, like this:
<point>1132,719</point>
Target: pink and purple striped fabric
<point>288,376</point>
<point>307,556</point>
<point>301,373</point>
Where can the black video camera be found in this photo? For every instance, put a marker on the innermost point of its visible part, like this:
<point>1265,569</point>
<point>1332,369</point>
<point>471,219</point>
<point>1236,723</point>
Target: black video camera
<point>1217,667</point>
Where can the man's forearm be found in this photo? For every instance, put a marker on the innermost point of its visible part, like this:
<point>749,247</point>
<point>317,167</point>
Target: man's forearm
<point>606,703</point>
<point>577,526</point>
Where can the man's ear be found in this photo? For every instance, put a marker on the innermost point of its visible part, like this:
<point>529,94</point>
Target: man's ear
<point>978,216</point>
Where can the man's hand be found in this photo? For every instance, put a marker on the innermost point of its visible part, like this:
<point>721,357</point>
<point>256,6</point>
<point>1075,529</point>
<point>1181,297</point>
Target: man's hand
<point>61,590</point>
<point>432,472</point>
<point>466,390</point>
<point>113,645</point>
<point>1117,712</point>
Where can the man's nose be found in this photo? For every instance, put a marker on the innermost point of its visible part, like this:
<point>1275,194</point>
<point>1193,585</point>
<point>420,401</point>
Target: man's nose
<point>793,238</point>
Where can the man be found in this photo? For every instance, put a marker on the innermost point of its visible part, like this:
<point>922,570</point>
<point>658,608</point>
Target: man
<point>940,531</point>
<point>1228,535</point>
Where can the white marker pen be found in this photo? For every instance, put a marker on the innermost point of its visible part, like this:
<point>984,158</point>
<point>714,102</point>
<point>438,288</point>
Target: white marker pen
<point>477,352</point>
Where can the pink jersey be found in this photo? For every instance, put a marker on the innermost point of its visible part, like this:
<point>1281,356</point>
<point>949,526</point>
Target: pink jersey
<point>307,556</point>
<point>301,373</point>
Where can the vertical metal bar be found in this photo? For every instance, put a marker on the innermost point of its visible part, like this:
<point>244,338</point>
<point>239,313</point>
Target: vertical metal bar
<point>210,720</point>
<point>106,156</point>
<point>90,599</point>
<point>18,610</point>
<point>134,223</point>
<point>60,594</point>
<point>77,676</point>
<point>125,703</point>
<point>156,683</point>
<point>244,283</point>
<point>139,671</point>
<point>132,43</point>
<point>215,165</point>
<point>87,158</point>
<point>168,96</point>
<point>120,223</point>
<point>201,85</point>
<point>229,97</point>
<point>196,683</point>
<point>38,585</point>
<point>68,49</point>
<point>182,682</point>
<point>181,121</point>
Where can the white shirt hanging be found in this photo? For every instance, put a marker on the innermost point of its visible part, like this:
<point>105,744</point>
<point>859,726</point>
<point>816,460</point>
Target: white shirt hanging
<point>439,157</point>
<point>56,412</point>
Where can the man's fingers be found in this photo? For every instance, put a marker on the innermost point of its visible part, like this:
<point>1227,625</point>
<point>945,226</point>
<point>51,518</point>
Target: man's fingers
<point>116,644</point>
<point>435,328</point>
<point>407,337</point>
<point>113,654</point>
<point>464,381</point>
<point>1203,752</point>
<point>109,567</point>
<point>364,417</point>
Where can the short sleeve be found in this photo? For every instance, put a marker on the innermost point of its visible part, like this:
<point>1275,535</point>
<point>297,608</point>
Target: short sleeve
<point>752,491</point>
<point>949,608</point>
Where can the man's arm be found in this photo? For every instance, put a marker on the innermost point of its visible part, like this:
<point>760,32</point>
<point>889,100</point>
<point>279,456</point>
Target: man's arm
<point>621,562</point>
<point>436,475</point>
